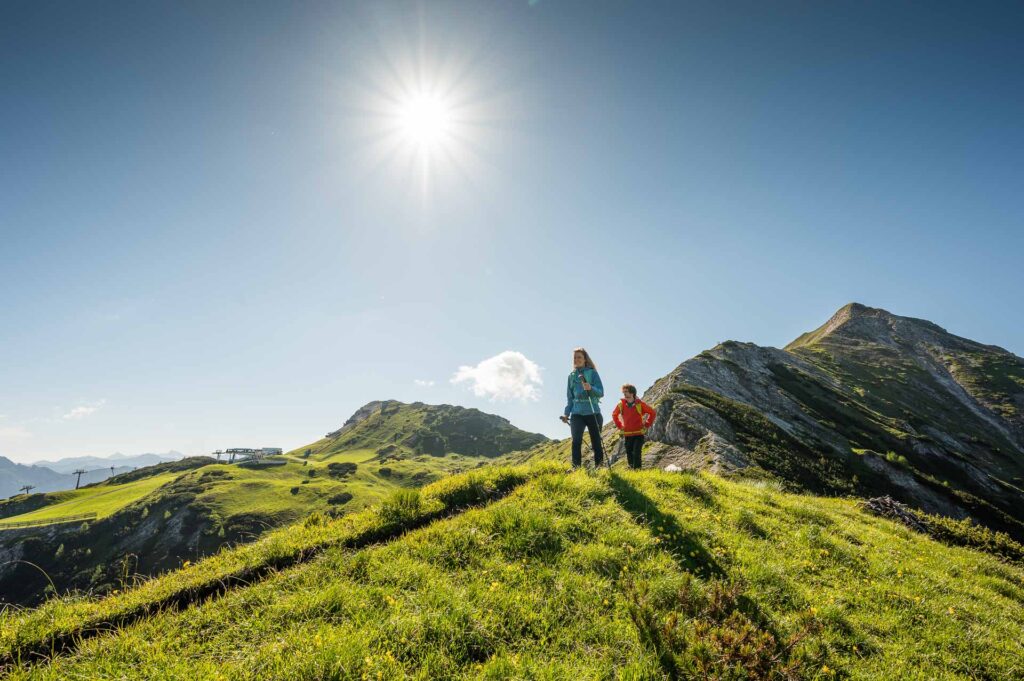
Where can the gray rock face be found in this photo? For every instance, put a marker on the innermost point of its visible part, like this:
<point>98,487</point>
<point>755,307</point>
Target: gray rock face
<point>869,403</point>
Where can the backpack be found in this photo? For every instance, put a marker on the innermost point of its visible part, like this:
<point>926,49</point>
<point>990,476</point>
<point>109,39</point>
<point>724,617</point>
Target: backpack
<point>636,405</point>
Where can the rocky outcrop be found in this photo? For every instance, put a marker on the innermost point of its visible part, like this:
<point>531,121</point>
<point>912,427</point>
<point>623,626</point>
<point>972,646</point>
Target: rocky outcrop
<point>869,403</point>
<point>364,412</point>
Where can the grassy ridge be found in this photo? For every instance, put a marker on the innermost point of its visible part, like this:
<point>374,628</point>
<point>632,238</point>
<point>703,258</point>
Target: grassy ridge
<point>638,575</point>
<point>102,499</point>
<point>151,520</point>
<point>61,622</point>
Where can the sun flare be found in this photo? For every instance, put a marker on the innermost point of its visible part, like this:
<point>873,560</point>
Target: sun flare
<point>432,122</point>
<point>425,120</point>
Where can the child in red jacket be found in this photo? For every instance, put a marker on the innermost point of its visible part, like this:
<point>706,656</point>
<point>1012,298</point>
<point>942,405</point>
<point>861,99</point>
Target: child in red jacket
<point>633,417</point>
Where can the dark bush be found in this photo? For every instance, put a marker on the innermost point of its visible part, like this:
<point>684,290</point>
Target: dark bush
<point>340,498</point>
<point>295,490</point>
<point>341,470</point>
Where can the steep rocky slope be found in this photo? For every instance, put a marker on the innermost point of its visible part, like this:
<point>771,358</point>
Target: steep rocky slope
<point>868,403</point>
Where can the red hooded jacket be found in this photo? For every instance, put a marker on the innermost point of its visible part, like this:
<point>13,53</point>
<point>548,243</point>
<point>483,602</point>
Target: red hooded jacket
<point>633,420</point>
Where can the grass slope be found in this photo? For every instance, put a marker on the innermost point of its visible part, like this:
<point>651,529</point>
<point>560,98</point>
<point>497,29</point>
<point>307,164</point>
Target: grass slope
<point>637,575</point>
<point>63,622</point>
<point>103,499</point>
<point>150,521</point>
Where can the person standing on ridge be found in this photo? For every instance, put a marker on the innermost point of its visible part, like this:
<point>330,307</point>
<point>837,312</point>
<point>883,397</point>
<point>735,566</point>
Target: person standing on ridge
<point>633,417</point>
<point>583,409</point>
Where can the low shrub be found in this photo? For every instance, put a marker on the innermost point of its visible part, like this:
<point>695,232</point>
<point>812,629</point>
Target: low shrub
<point>341,470</point>
<point>340,498</point>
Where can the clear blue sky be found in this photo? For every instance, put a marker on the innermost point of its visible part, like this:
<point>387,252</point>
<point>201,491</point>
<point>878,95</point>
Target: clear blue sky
<point>211,238</point>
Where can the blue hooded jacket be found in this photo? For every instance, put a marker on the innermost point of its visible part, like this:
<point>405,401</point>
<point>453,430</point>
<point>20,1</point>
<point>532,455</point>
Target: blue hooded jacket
<point>578,400</point>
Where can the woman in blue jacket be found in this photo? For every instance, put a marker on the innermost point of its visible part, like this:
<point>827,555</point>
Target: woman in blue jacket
<point>583,409</point>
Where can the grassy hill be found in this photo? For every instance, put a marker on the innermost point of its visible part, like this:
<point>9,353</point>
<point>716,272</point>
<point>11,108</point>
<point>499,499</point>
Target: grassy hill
<point>535,573</point>
<point>149,523</point>
<point>103,500</point>
<point>395,430</point>
<point>153,519</point>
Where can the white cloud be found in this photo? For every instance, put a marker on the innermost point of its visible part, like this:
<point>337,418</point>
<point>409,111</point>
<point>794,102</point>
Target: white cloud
<point>81,411</point>
<point>506,376</point>
<point>423,384</point>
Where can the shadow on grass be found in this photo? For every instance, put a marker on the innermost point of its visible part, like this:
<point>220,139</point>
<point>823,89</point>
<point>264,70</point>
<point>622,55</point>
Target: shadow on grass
<point>684,546</point>
<point>716,632</point>
<point>399,514</point>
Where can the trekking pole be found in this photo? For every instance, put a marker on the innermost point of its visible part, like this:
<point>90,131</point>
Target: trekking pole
<point>593,412</point>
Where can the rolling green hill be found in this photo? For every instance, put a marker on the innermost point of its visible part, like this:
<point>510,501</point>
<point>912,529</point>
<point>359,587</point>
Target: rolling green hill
<point>394,430</point>
<point>535,573</point>
<point>155,518</point>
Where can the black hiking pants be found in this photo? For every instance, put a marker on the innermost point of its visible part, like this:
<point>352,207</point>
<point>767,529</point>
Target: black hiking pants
<point>592,422</point>
<point>634,447</point>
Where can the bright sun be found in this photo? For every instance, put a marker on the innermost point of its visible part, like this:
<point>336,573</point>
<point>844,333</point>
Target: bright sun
<point>425,120</point>
<point>429,124</point>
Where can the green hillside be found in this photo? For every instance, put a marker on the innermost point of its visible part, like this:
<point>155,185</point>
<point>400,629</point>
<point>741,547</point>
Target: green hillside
<point>152,523</point>
<point>153,519</point>
<point>645,575</point>
<point>101,499</point>
<point>395,430</point>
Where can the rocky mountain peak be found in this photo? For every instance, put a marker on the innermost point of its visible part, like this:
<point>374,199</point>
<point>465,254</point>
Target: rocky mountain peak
<point>859,323</point>
<point>870,402</point>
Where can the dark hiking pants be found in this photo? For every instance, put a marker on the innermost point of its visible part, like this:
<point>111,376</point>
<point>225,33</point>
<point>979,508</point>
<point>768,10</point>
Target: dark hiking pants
<point>592,422</point>
<point>634,447</point>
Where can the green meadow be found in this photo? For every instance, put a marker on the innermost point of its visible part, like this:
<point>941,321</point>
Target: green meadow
<point>531,572</point>
<point>101,499</point>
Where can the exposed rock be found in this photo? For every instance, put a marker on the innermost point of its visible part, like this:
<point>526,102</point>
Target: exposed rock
<point>947,408</point>
<point>887,507</point>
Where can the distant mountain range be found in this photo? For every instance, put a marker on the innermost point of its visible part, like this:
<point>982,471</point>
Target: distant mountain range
<point>54,476</point>
<point>119,460</point>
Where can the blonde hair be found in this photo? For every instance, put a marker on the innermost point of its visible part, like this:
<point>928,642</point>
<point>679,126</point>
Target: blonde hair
<point>587,362</point>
